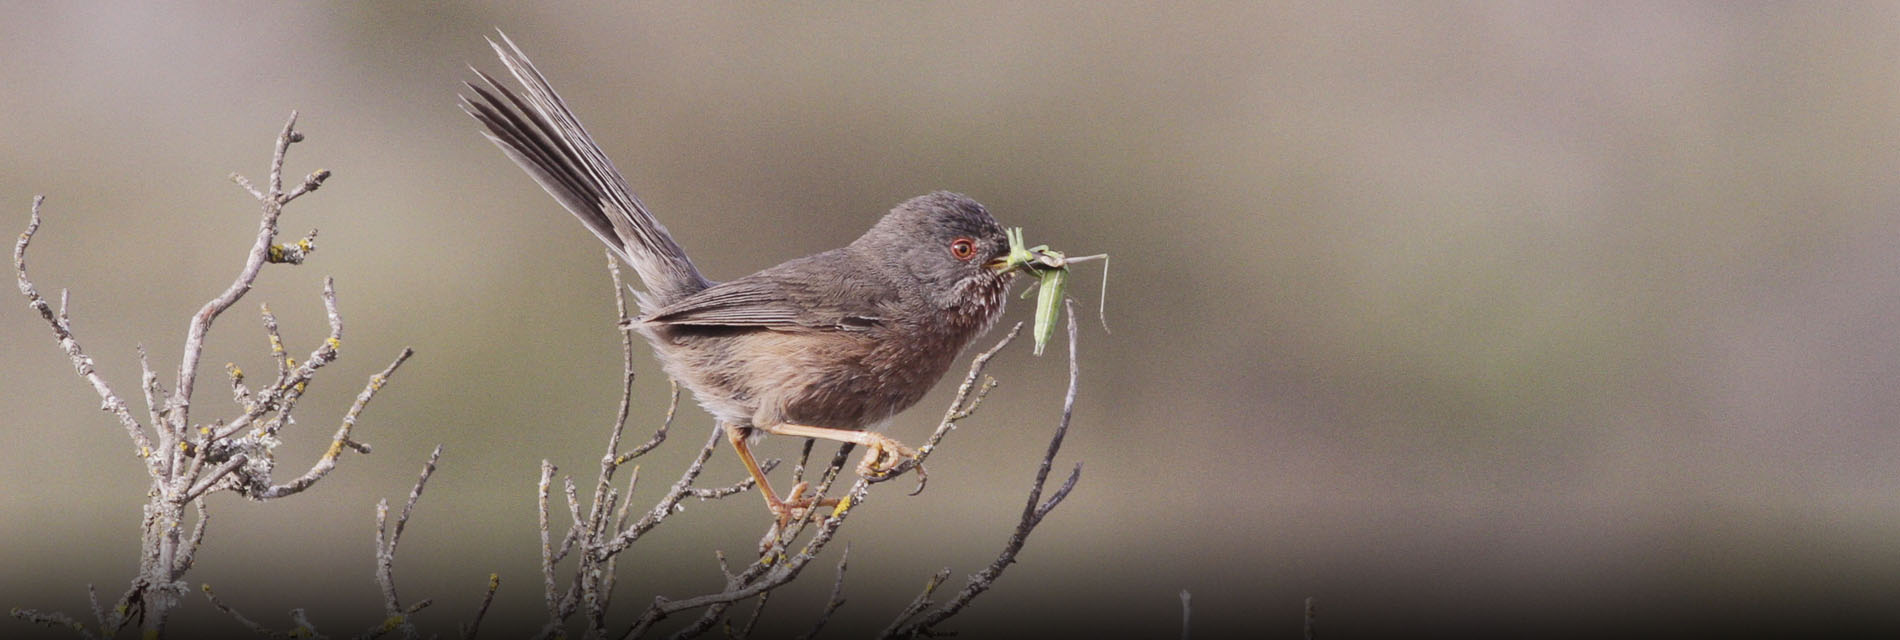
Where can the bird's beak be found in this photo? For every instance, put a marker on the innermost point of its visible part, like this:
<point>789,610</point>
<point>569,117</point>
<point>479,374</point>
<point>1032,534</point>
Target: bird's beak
<point>1002,265</point>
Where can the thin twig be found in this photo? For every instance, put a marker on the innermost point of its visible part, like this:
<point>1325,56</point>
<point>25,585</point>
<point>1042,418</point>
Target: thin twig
<point>387,536</point>
<point>1034,510</point>
<point>488,598</point>
<point>1310,617</point>
<point>758,611</point>
<point>239,617</point>
<point>53,619</point>
<point>969,396</point>
<point>301,626</point>
<point>342,438</point>
<point>575,528</point>
<point>277,350</point>
<point>762,576</point>
<point>62,332</point>
<point>254,262</point>
<point>742,485</point>
<point>835,601</point>
<point>611,461</point>
<point>917,604</point>
<point>154,393</point>
<point>1187,612</point>
<point>292,378</point>
<point>665,507</point>
<point>659,435</point>
<point>549,591</point>
<point>310,183</point>
<point>190,552</point>
<point>98,612</point>
<point>206,482</point>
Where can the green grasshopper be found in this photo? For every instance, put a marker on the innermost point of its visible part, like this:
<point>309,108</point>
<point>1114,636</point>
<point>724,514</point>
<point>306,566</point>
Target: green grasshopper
<point>1052,268</point>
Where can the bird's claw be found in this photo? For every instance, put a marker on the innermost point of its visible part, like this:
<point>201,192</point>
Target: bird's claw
<point>794,507</point>
<point>886,457</point>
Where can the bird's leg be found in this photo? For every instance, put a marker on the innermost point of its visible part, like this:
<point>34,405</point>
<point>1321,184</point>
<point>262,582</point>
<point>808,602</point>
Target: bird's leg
<point>786,509</point>
<point>879,447</point>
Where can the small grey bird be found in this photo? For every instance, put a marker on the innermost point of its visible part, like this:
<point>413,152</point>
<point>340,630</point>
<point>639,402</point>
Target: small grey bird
<point>831,345</point>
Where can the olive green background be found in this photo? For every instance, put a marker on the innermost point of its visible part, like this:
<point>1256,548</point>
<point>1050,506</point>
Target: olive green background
<point>1552,317</point>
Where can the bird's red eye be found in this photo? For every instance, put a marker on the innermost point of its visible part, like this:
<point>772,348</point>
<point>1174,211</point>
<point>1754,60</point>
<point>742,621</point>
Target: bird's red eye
<point>963,248</point>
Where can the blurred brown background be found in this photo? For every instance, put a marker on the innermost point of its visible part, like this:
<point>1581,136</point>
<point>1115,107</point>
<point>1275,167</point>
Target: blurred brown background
<point>1543,316</point>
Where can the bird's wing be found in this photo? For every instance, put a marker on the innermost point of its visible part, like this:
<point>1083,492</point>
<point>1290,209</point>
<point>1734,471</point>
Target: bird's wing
<point>781,297</point>
<point>744,302</point>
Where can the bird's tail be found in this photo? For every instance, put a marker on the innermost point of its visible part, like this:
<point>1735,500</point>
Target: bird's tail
<point>538,132</point>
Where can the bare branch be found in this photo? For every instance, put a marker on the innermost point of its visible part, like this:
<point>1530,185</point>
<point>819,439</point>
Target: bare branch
<point>98,612</point>
<point>295,252</point>
<point>282,394</point>
<point>303,628</point>
<point>310,183</point>
<point>197,538</point>
<point>804,457</point>
<point>1033,510</point>
<point>187,460</point>
<point>625,322</point>
<point>1186,613</point>
<point>239,617</point>
<point>62,332</point>
<point>1309,618</point>
<point>969,396</point>
<point>550,593</point>
<point>387,536</point>
<point>573,513</point>
<point>743,484</point>
<point>919,603</point>
<point>154,394</point>
<point>240,393</point>
<point>665,507</point>
<point>246,184</point>
<point>835,601</point>
<point>488,597</point>
<point>342,438</point>
<point>278,351</point>
<point>53,619</point>
<point>626,505</point>
<point>659,435</point>
<point>758,609</point>
<point>207,482</point>
<point>768,573</point>
<point>254,262</point>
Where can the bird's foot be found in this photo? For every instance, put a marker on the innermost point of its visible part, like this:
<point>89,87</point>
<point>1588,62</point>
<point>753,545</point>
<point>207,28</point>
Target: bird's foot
<point>885,456</point>
<point>794,507</point>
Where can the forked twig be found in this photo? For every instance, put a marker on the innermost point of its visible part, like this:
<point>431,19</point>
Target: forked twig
<point>1034,510</point>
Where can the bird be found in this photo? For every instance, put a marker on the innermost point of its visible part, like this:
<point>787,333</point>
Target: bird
<point>829,346</point>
